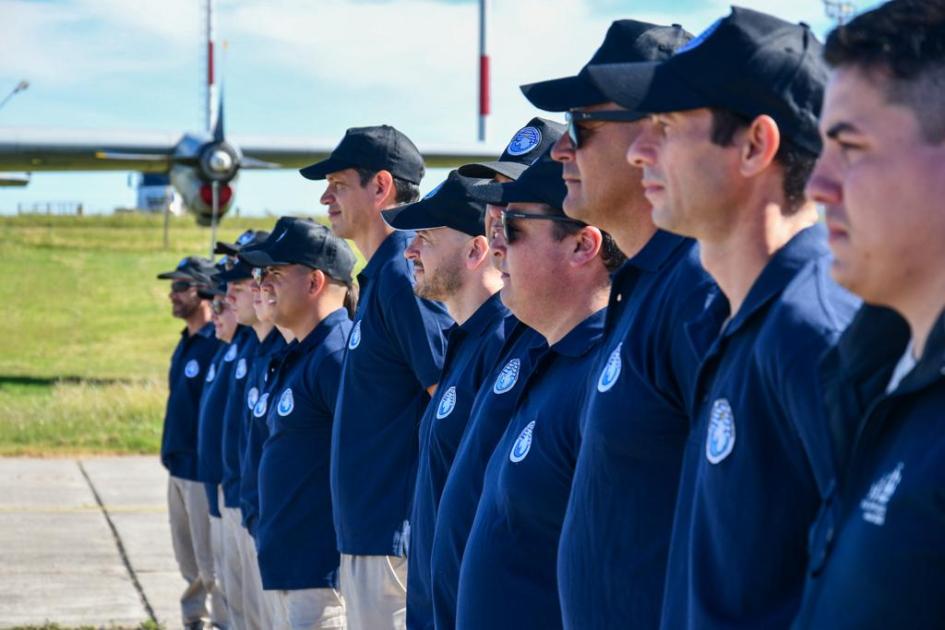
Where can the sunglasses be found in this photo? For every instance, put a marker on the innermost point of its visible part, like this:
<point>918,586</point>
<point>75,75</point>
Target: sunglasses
<point>259,274</point>
<point>510,234</point>
<point>218,306</point>
<point>574,120</point>
<point>179,286</point>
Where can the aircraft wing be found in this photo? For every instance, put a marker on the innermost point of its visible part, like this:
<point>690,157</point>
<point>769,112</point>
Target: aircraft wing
<point>50,149</point>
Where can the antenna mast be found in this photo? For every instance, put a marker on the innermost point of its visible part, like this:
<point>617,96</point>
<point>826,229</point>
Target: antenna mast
<point>211,104</point>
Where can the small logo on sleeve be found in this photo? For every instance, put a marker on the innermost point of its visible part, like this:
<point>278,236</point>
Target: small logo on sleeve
<point>876,502</point>
<point>611,371</point>
<point>523,444</point>
<point>354,340</point>
<point>192,368</point>
<point>240,369</point>
<point>286,402</point>
<point>720,439</point>
<point>259,410</point>
<point>212,372</point>
<point>231,353</point>
<point>447,403</point>
<point>507,378</point>
<point>251,397</point>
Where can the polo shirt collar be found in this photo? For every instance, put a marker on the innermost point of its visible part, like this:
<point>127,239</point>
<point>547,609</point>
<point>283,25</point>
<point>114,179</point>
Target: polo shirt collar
<point>483,317</point>
<point>206,330</point>
<point>391,247</point>
<point>657,251</point>
<point>583,337</point>
<point>931,365</point>
<point>318,334</point>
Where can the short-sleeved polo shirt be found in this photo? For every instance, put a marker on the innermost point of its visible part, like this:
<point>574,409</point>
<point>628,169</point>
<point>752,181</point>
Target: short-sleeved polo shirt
<point>878,553</point>
<point>488,420</point>
<point>256,431</point>
<point>295,538</point>
<point>189,365</point>
<point>759,459</point>
<point>471,352</point>
<point>635,422</point>
<point>233,434</point>
<point>394,353</point>
<point>508,578</point>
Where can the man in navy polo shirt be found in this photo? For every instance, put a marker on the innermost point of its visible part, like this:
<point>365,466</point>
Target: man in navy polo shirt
<point>308,276</point>
<point>395,353</point>
<point>615,537</point>
<point>186,498</point>
<point>556,275</point>
<point>878,558</point>
<point>452,263</point>
<point>727,166</point>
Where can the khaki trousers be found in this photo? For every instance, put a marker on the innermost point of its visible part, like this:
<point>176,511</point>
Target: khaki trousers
<point>306,609</point>
<point>231,569</point>
<point>189,516</point>
<point>256,612</point>
<point>374,589</point>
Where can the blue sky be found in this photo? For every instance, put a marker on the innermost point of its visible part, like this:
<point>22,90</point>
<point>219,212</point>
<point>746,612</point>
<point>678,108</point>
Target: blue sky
<point>299,68</point>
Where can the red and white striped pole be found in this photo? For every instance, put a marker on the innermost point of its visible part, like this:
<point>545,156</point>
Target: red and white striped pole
<point>483,70</point>
<point>211,78</point>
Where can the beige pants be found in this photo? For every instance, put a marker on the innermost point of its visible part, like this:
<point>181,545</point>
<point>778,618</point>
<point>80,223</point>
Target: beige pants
<point>306,609</point>
<point>189,515</point>
<point>230,569</point>
<point>374,589</point>
<point>255,610</point>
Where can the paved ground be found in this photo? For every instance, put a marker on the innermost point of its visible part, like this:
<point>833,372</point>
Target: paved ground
<point>86,542</point>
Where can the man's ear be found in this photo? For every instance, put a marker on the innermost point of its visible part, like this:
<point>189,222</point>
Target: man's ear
<point>477,252</point>
<point>759,144</point>
<point>317,281</point>
<point>587,244</point>
<point>384,190</point>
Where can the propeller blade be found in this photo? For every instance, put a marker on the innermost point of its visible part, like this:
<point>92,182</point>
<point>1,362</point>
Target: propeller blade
<point>218,127</point>
<point>253,163</point>
<point>140,157</point>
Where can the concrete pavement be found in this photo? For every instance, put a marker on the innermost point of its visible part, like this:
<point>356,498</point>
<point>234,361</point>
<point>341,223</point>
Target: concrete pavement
<point>86,542</point>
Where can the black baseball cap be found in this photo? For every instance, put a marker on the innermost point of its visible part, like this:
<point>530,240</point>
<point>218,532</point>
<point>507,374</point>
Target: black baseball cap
<point>212,285</point>
<point>448,205</point>
<point>540,183</point>
<point>527,145</point>
<point>190,269</point>
<point>380,148</point>
<point>239,269</point>
<point>297,241</point>
<point>626,41</point>
<point>748,62</point>
<point>247,237</point>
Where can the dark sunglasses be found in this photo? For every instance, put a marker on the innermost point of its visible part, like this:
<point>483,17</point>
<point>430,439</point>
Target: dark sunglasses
<point>259,274</point>
<point>574,119</point>
<point>218,306</point>
<point>179,286</point>
<point>509,232</point>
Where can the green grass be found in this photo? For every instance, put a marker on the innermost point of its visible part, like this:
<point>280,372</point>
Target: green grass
<point>147,625</point>
<point>87,331</point>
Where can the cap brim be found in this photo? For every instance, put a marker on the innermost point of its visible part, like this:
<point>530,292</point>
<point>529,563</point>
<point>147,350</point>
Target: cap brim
<point>321,170</point>
<point>226,248</point>
<point>560,95</point>
<point>651,87</point>
<point>235,274</point>
<point>414,216</point>
<point>487,170</point>
<point>175,275</point>
<point>260,258</point>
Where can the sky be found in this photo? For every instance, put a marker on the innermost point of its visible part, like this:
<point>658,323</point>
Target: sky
<point>308,68</point>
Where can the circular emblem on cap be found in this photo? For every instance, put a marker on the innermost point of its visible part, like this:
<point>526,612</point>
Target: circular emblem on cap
<point>251,397</point>
<point>355,339</point>
<point>524,141</point>
<point>522,444</point>
<point>230,354</point>
<point>507,377</point>
<point>611,371</point>
<point>447,403</point>
<point>720,439</point>
<point>192,368</point>
<point>286,402</point>
<point>212,372</point>
<point>240,369</point>
<point>259,410</point>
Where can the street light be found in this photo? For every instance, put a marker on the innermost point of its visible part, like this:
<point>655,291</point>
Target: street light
<point>22,85</point>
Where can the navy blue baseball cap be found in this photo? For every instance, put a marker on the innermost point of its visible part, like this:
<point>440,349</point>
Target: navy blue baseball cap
<point>449,205</point>
<point>237,268</point>
<point>297,241</point>
<point>247,237</point>
<point>190,269</point>
<point>626,41</point>
<point>540,183</point>
<point>748,62</point>
<point>527,145</point>
<point>379,148</point>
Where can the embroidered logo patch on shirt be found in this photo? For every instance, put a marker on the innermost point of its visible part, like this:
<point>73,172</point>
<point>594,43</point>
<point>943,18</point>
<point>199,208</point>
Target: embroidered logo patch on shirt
<point>611,371</point>
<point>507,377</point>
<point>876,502</point>
<point>192,368</point>
<point>720,439</point>
<point>241,369</point>
<point>355,339</point>
<point>523,444</point>
<point>251,397</point>
<point>230,354</point>
<point>447,403</point>
<point>286,402</point>
<point>259,410</point>
<point>212,372</point>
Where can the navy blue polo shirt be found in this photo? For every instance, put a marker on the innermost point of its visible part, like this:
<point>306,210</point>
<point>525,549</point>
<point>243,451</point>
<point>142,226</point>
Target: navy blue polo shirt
<point>189,365</point>
<point>488,420</point>
<point>256,431</point>
<point>295,537</point>
<point>213,400</point>
<point>878,553</point>
<point>508,577</point>
<point>759,459</point>
<point>233,414</point>
<point>615,538</point>
<point>471,353</point>
<point>394,353</point>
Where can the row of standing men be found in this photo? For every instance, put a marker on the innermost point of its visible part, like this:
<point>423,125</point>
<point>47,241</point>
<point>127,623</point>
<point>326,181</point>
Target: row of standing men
<point>619,377</point>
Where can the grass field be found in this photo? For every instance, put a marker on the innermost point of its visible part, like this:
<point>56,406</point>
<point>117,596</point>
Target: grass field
<point>87,331</point>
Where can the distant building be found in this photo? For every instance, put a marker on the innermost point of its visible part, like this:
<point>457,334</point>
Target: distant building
<point>155,194</point>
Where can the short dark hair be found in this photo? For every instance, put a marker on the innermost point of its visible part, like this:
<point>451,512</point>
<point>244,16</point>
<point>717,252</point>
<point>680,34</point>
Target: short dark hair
<point>903,40</point>
<point>610,254</point>
<point>405,192</point>
<point>797,163</point>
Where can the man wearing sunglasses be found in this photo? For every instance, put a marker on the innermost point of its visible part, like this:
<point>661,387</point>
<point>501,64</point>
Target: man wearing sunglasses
<point>727,165</point>
<point>556,277</point>
<point>308,271</point>
<point>188,509</point>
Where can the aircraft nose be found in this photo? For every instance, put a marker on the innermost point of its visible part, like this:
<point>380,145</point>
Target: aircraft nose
<point>220,161</point>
